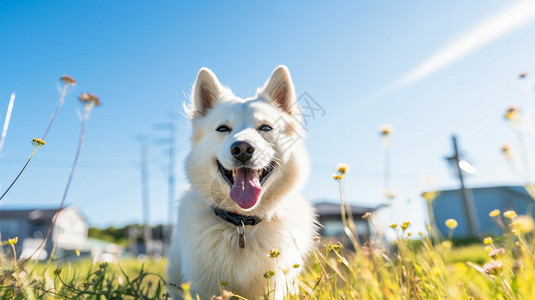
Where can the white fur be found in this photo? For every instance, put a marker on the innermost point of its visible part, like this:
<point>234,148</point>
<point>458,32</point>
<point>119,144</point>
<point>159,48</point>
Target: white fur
<point>205,248</point>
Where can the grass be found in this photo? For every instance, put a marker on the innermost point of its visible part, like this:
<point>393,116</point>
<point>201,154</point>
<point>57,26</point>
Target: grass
<point>82,279</point>
<point>432,270</point>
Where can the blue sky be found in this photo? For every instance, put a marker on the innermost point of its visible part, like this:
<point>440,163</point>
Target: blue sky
<point>430,69</point>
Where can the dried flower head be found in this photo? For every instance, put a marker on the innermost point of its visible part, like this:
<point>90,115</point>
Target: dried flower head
<point>390,194</point>
<point>511,113</point>
<point>342,168</point>
<point>494,213</point>
<point>494,267</point>
<point>496,253</point>
<point>66,79</point>
<point>451,223</point>
<point>89,98</point>
<point>510,214</point>
<point>506,150</point>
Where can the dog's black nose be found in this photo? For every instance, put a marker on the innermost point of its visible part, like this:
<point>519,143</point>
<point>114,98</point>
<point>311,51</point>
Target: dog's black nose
<point>242,151</point>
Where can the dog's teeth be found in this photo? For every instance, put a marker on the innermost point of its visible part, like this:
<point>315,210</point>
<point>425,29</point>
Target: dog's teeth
<point>233,173</point>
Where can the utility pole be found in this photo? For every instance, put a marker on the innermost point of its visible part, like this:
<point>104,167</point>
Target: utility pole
<point>466,195</point>
<point>171,179</point>
<point>147,232</point>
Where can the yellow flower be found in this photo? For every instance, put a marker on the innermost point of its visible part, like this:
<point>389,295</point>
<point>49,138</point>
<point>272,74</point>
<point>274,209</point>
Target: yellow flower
<point>185,287</point>
<point>338,177</point>
<point>451,223</point>
<point>487,240</point>
<point>337,247</point>
<point>405,225</point>
<point>511,113</point>
<point>77,252</point>
<point>393,225</point>
<point>524,223</point>
<point>510,214</point>
<point>409,234</point>
<point>13,241</point>
<point>274,253</point>
<point>488,249</point>
<point>37,143</point>
<point>386,130</point>
<point>446,245</point>
<point>430,196</point>
<point>494,213</point>
<point>269,274</point>
<point>223,283</point>
<point>342,168</point>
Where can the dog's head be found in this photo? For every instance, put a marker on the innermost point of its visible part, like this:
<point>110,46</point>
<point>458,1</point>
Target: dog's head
<point>246,153</point>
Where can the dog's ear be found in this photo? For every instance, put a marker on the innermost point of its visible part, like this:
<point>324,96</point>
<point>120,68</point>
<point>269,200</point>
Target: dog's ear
<point>206,91</point>
<point>280,89</point>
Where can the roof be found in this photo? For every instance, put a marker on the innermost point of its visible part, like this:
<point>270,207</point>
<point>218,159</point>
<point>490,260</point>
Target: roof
<point>332,209</point>
<point>33,214</point>
<point>517,190</point>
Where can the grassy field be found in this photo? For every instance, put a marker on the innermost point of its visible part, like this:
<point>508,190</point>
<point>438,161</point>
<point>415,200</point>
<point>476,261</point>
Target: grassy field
<point>417,269</point>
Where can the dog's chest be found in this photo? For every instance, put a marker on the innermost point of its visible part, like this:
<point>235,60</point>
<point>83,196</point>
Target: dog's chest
<point>216,256</point>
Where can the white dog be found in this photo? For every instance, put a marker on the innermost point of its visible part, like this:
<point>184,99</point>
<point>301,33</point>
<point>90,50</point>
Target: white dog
<point>246,167</point>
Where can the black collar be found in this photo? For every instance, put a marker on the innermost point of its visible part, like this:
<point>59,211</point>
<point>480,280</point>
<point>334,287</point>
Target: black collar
<point>236,219</point>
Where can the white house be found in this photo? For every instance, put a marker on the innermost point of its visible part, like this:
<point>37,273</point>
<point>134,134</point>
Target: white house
<point>31,226</point>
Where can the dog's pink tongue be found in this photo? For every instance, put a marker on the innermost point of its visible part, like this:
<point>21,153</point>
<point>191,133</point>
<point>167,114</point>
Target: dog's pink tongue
<point>246,188</point>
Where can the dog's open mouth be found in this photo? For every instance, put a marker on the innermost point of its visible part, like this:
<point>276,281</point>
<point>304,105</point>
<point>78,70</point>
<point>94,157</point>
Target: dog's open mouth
<point>245,183</point>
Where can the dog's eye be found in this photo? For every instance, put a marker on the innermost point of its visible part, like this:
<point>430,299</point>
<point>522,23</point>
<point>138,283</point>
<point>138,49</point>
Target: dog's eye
<point>223,128</point>
<point>265,128</point>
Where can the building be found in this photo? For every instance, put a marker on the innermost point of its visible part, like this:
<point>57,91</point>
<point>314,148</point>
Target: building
<point>330,217</point>
<point>448,204</point>
<point>30,226</point>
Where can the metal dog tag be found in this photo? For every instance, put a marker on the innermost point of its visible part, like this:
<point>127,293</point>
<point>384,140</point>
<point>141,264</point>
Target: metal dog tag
<point>241,232</point>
